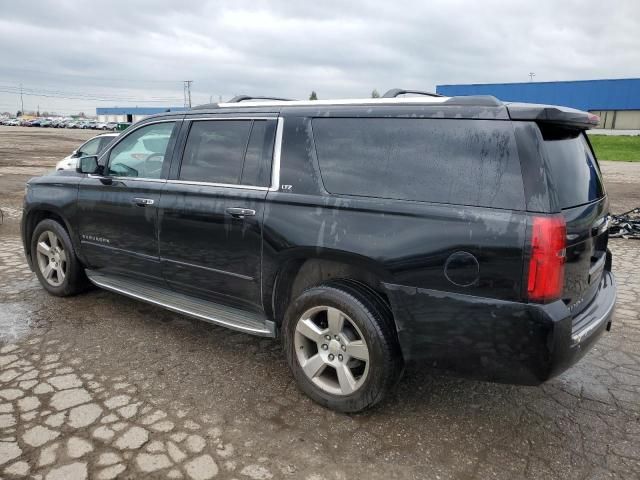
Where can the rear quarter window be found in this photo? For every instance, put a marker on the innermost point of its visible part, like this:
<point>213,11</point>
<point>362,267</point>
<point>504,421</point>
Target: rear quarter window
<point>465,162</point>
<point>575,174</point>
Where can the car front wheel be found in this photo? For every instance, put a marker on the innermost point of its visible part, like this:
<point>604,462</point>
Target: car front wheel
<point>55,263</point>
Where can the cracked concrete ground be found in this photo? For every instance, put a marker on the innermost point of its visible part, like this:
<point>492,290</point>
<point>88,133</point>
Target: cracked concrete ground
<point>102,386</point>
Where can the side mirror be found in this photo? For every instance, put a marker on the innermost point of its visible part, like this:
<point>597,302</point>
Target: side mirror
<point>88,164</point>
<point>76,154</point>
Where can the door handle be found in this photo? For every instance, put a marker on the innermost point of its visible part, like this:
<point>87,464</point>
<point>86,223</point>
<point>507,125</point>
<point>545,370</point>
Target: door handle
<point>142,202</point>
<point>240,212</point>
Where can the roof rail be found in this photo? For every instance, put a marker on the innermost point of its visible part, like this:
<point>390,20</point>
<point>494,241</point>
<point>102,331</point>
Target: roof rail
<point>474,100</point>
<point>205,106</point>
<point>242,98</point>
<point>394,92</point>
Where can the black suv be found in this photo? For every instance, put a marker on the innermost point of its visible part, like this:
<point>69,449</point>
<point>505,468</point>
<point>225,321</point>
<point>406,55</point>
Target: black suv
<point>465,233</point>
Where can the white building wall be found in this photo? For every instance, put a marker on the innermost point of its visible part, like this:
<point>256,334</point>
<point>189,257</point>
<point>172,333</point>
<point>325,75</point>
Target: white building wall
<point>619,119</point>
<point>112,118</point>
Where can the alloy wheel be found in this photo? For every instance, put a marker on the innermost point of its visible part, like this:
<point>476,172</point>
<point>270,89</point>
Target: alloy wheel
<point>331,350</point>
<point>52,258</point>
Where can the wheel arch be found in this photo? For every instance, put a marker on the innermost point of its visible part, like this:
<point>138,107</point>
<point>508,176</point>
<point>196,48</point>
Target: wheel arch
<point>307,268</point>
<point>33,217</point>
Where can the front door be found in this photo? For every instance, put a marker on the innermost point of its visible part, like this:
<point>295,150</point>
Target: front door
<point>211,210</point>
<point>118,211</point>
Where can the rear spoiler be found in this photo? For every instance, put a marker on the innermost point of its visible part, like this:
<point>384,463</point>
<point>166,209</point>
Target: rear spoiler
<point>552,114</point>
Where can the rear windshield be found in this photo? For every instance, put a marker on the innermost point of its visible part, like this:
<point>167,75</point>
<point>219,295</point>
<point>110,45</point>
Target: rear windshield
<point>464,162</point>
<point>574,171</point>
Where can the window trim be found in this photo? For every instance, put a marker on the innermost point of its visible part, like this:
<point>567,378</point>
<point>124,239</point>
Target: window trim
<point>275,159</point>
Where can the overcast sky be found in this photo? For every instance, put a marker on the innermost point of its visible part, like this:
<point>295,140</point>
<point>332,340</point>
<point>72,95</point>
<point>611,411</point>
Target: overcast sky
<point>138,52</point>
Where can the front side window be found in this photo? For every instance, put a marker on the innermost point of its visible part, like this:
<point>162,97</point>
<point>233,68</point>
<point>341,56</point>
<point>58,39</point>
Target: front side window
<point>142,153</point>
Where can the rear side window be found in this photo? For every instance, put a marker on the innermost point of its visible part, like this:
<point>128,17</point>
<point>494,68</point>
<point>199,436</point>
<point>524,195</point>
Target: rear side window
<point>215,151</point>
<point>257,161</point>
<point>574,171</point>
<point>465,162</point>
<point>229,151</point>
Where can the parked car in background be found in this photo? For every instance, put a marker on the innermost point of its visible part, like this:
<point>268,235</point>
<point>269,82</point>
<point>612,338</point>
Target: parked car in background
<point>92,146</point>
<point>11,122</point>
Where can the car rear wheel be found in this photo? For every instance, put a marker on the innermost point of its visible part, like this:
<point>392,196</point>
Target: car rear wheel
<point>54,259</point>
<point>341,346</point>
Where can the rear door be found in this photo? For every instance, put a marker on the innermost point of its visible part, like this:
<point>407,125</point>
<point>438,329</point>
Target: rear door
<point>576,179</point>
<point>212,207</point>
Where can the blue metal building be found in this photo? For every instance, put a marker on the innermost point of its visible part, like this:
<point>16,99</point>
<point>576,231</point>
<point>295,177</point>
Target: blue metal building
<point>616,101</point>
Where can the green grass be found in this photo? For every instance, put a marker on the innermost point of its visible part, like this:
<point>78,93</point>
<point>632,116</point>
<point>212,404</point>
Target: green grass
<point>625,148</point>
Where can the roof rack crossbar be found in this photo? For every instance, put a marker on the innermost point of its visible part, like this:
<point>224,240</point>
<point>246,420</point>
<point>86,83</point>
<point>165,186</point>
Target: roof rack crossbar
<point>242,98</point>
<point>395,92</point>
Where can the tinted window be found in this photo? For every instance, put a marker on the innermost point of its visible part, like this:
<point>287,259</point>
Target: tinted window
<point>141,153</point>
<point>215,151</point>
<point>257,161</point>
<point>467,162</point>
<point>90,148</point>
<point>574,171</point>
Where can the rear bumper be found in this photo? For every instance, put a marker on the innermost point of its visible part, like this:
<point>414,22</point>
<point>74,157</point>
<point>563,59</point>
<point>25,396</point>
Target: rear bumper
<point>494,340</point>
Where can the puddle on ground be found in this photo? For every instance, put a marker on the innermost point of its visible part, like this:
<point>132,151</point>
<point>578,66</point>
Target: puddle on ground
<point>15,321</point>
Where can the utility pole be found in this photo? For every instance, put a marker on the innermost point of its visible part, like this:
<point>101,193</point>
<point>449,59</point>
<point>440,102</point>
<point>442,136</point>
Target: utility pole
<point>21,101</point>
<point>187,93</point>
<point>531,75</point>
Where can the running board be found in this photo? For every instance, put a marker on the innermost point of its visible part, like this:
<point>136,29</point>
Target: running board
<point>234,318</point>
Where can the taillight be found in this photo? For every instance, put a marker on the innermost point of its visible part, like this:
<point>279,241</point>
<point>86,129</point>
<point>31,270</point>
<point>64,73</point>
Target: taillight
<point>546,266</point>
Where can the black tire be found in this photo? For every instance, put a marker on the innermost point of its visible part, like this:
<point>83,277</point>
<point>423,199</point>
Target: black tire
<point>75,280</point>
<point>372,317</point>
